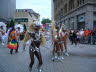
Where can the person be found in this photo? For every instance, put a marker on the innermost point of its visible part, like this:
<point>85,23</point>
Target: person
<point>89,36</point>
<point>64,36</point>
<point>78,36</point>
<point>70,35</point>
<point>21,35</point>
<point>13,36</point>
<point>7,35</point>
<point>74,38</point>
<point>18,33</point>
<point>2,34</point>
<point>35,38</point>
<point>81,32</point>
<point>57,43</point>
<point>94,36</point>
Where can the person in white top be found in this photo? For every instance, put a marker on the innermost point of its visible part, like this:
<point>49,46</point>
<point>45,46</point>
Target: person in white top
<point>18,33</point>
<point>2,34</point>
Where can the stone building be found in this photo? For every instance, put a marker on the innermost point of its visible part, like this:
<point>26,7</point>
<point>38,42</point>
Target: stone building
<point>75,14</point>
<point>7,9</point>
<point>26,16</point>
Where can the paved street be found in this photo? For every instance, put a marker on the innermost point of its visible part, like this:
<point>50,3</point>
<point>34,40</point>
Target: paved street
<point>82,59</point>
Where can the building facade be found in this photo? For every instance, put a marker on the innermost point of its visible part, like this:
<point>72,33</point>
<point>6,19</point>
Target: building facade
<point>52,10</point>
<point>7,9</point>
<point>75,14</point>
<point>26,16</point>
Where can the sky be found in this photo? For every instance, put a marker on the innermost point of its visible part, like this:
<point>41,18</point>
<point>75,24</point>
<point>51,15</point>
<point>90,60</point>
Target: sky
<point>43,7</point>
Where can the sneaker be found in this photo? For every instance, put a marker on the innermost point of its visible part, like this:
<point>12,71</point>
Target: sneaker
<point>11,52</point>
<point>66,54</point>
<point>53,58</point>
<point>2,43</point>
<point>62,57</point>
<point>39,70</point>
<point>59,58</point>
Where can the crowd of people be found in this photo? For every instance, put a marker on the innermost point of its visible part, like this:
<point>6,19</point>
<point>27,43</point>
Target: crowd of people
<point>12,34</point>
<point>60,37</point>
<point>82,36</point>
<point>5,35</point>
<point>35,37</point>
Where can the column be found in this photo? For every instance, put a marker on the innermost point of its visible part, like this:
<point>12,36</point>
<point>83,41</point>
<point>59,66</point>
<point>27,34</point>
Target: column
<point>89,18</point>
<point>75,22</point>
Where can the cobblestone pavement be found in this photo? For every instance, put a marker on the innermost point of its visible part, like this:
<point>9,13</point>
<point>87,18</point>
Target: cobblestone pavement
<point>82,59</point>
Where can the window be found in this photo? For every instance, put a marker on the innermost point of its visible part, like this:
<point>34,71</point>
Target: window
<point>71,5</point>
<point>83,1</point>
<point>80,2</point>
<point>65,7</point>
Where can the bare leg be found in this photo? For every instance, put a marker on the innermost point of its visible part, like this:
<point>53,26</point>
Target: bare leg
<point>62,51</point>
<point>58,50</point>
<point>65,45</point>
<point>11,51</point>
<point>39,57</point>
<point>53,52</point>
<point>32,58</point>
<point>17,47</point>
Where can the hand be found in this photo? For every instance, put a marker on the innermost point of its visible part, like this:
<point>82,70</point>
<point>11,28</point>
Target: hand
<point>28,42</point>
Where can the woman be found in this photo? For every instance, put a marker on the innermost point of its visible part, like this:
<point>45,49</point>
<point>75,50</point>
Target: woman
<point>64,36</point>
<point>13,37</point>
<point>36,39</point>
<point>74,38</point>
<point>57,44</point>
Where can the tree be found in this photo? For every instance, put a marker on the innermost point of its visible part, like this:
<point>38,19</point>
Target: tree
<point>45,20</point>
<point>24,27</point>
<point>11,23</point>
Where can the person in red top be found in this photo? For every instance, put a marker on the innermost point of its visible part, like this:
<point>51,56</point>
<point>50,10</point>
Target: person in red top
<point>86,33</point>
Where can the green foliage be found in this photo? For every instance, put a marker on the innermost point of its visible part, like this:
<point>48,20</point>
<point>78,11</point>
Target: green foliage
<point>24,27</point>
<point>11,23</point>
<point>45,20</point>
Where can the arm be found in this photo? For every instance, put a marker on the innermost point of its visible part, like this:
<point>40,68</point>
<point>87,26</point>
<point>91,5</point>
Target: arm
<point>26,38</point>
<point>43,40</point>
